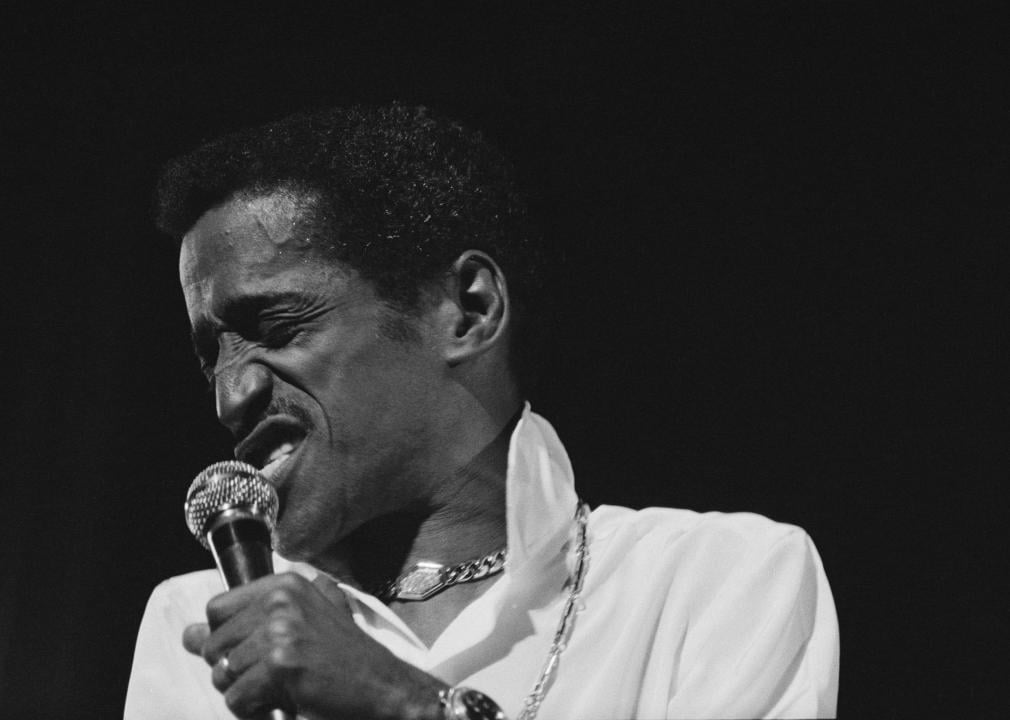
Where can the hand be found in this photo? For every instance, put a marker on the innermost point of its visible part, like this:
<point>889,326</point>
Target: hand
<point>290,647</point>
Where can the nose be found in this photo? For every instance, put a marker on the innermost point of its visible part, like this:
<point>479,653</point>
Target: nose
<point>242,395</point>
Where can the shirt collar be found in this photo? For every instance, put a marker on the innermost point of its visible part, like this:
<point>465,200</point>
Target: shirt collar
<point>540,494</point>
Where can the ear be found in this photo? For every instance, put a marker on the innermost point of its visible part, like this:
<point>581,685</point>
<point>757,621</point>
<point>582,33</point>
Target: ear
<point>477,290</point>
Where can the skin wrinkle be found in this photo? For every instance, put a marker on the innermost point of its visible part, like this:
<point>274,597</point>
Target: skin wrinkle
<point>327,426</point>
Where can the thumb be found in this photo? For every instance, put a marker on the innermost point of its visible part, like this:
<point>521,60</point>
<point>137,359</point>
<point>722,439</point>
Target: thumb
<point>194,637</point>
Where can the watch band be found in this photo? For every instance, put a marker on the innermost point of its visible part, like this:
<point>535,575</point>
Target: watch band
<point>462,703</point>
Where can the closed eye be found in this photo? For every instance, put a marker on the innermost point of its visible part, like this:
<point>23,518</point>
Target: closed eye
<point>210,376</point>
<point>278,334</point>
<point>205,348</point>
<point>270,320</point>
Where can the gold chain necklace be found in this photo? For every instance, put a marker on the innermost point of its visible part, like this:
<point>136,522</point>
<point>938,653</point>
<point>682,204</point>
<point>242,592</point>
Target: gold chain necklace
<point>426,578</point>
<point>531,705</point>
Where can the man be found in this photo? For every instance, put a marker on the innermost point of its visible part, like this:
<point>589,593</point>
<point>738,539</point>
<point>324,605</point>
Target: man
<point>362,287</point>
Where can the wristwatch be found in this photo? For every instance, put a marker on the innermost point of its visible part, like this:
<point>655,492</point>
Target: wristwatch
<point>462,703</point>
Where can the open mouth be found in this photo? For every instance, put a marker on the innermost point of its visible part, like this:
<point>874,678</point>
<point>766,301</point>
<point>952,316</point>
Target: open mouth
<point>271,444</point>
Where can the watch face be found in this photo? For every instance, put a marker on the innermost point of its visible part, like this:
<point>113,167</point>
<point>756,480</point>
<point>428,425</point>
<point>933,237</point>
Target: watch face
<point>479,706</point>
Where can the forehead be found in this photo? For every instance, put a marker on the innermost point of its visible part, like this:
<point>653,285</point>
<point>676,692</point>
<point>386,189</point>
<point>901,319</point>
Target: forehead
<point>251,239</point>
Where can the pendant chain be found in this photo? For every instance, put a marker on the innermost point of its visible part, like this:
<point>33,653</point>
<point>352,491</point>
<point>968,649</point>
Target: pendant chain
<point>531,705</point>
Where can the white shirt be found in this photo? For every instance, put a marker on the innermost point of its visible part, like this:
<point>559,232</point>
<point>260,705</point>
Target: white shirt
<point>683,615</point>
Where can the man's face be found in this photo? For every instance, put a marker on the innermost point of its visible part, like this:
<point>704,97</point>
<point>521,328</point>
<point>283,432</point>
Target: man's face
<point>339,415</point>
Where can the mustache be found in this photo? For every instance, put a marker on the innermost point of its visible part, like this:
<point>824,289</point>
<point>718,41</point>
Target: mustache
<point>287,406</point>
<point>275,406</point>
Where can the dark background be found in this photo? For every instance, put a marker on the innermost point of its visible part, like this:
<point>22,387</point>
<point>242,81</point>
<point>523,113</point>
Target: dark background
<point>784,226</point>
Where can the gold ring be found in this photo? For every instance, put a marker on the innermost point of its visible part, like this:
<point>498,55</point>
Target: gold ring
<point>226,667</point>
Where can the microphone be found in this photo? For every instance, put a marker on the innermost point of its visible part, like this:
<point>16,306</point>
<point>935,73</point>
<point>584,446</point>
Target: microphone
<point>231,510</point>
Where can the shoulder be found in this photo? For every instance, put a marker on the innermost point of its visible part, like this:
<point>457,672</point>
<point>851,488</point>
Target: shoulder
<point>166,681</point>
<point>696,557</point>
<point>739,604</point>
<point>710,531</point>
<point>187,595</point>
<point>184,597</point>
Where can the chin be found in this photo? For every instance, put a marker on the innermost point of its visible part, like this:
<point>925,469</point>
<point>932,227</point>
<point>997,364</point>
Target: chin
<point>297,544</point>
<point>286,543</point>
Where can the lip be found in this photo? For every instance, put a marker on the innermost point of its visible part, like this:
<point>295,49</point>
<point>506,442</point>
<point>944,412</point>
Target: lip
<point>267,436</point>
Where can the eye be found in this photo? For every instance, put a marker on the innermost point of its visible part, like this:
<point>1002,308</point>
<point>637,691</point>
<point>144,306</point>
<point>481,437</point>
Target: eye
<point>208,366</point>
<point>206,354</point>
<point>278,334</point>
<point>211,381</point>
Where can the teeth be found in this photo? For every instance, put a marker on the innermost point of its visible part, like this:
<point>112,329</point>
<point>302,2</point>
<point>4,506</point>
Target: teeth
<point>276,459</point>
<point>281,450</point>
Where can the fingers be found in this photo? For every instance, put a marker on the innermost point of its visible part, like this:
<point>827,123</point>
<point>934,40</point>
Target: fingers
<point>222,675</point>
<point>226,605</point>
<point>255,691</point>
<point>194,637</point>
<point>226,637</point>
<point>263,634</point>
<point>261,646</point>
<point>250,675</point>
<point>268,622</point>
<point>224,670</point>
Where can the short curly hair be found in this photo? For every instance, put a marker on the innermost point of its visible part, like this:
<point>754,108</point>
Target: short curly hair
<point>399,191</point>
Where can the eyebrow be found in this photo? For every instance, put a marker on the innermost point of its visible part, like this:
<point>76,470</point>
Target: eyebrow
<point>234,311</point>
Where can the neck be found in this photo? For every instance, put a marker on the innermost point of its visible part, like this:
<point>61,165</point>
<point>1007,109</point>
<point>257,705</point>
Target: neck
<point>465,521</point>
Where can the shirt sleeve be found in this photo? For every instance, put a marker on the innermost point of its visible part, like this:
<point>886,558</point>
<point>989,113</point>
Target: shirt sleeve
<point>167,683</point>
<point>766,642</point>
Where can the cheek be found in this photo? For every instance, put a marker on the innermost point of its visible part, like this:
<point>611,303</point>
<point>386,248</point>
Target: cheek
<point>368,388</point>
<point>312,373</point>
<point>407,389</point>
<point>386,372</point>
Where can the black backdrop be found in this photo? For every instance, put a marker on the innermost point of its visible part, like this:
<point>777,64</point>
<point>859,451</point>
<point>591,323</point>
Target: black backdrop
<point>783,225</point>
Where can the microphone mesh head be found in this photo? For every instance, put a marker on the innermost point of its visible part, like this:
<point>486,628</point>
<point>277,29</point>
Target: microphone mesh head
<point>224,486</point>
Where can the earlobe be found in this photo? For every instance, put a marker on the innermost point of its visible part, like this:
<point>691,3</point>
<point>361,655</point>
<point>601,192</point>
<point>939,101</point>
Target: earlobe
<point>480,296</point>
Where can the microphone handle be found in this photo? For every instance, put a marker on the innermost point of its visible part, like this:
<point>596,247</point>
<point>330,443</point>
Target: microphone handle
<point>242,553</point>
<point>241,548</point>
